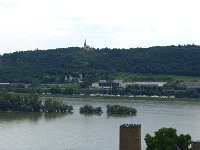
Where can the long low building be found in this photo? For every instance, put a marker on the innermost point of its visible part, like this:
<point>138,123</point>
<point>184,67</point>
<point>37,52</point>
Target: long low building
<point>147,84</point>
<point>189,85</point>
<point>120,84</point>
<point>108,85</point>
<point>14,85</point>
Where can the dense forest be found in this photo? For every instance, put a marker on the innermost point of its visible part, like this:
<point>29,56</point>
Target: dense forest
<point>53,66</point>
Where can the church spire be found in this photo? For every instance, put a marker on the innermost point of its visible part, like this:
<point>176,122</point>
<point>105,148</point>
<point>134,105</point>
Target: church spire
<point>86,47</point>
<point>85,43</point>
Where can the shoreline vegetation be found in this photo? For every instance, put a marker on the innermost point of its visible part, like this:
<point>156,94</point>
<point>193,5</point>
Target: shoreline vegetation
<point>32,103</point>
<point>11,102</point>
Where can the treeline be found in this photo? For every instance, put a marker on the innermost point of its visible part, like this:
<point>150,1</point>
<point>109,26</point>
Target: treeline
<point>31,103</point>
<point>128,91</point>
<point>52,66</point>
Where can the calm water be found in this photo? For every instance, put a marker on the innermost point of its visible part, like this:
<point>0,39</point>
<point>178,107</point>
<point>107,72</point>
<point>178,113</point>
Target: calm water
<point>38,131</point>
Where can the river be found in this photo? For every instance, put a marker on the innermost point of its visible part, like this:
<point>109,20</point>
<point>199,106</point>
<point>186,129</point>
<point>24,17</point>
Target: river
<point>40,131</point>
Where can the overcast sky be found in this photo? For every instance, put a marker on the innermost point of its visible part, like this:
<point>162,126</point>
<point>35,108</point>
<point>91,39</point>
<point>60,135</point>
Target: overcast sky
<point>48,24</point>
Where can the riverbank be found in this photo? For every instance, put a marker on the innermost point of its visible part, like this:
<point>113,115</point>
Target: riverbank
<point>116,97</point>
<point>122,97</point>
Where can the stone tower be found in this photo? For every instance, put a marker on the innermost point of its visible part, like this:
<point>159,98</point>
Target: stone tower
<point>130,137</point>
<point>195,145</point>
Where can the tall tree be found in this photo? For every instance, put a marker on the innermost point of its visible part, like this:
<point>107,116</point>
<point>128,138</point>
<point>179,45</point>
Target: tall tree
<point>167,139</point>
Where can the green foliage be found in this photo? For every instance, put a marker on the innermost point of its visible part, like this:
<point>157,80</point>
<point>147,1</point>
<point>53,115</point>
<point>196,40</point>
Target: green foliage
<point>167,139</point>
<point>170,79</point>
<point>187,93</point>
<point>98,110</point>
<point>52,66</point>
<point>10,102</point>
<point>145,91</point>
<point>88,109</point>
<point>133,77</point>
<point>4,104</point>
<point>31,103</point>
<point>55,106</point>
<point>117,109</point>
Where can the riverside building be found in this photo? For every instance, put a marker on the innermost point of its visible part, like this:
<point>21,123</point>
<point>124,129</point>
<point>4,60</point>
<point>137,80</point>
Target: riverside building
<point>103,84</point>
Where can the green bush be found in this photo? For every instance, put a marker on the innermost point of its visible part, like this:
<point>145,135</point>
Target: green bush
<point>167,139</point>
<point>117,109</point>
<point>88,109</point>
<point>31,103</point>
<point>55,106</point>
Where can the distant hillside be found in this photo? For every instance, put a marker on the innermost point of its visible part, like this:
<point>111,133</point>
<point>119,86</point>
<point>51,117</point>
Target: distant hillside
<point>50,66</point>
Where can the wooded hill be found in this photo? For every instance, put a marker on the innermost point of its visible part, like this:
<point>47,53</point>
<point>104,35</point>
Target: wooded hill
<point>53,66</point>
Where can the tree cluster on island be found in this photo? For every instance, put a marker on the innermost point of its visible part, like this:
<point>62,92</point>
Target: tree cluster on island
<point>55,106</point>
<point>31,103</point>
<point>88,109</point>
<point>111,110</point>
<point>120,110</point>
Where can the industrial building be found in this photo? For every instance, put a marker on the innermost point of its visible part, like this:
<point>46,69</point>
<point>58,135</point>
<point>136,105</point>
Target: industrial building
<point>103,84</point>
<point>189,85</point>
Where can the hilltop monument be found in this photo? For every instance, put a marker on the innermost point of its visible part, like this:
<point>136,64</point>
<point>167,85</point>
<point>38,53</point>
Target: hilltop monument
<point>87,47</point>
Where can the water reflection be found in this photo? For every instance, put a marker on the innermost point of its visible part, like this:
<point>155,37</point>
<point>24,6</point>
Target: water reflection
<point>30,116</point>
<point>120,116</point>
<point>51,116</point>
<point>17,116</point>
<point>87,114</point>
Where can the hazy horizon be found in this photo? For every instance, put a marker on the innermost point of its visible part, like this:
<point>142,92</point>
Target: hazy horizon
<point>42,24</point>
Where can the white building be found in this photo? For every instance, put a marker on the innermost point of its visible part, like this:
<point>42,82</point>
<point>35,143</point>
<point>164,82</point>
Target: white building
<point>149,84</point>
<point>108,85</point>
<point>189,85</point>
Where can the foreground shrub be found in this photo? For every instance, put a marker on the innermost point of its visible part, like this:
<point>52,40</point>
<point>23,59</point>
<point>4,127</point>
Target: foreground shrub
<point>167,139</point>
